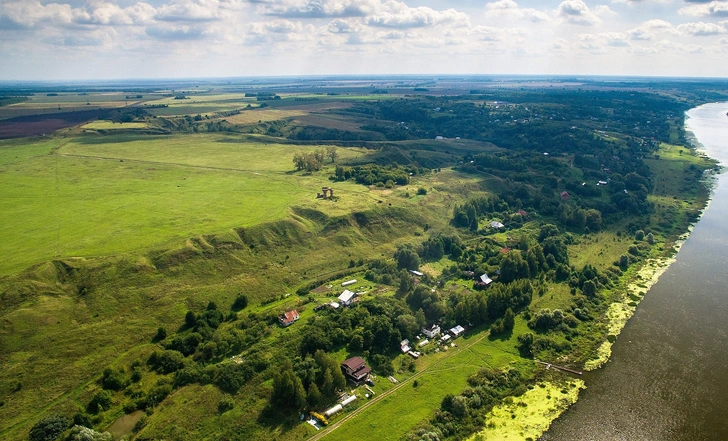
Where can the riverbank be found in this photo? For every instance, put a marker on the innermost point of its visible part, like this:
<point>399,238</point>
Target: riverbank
<point>670,351</point>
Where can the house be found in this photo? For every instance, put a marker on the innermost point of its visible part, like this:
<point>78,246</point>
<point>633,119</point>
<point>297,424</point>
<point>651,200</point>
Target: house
<point>484,281</point>
<point>497,225</point>
<point>416,273</point>
<point>356,369</point>
<point>522,213</point>
<point>431,331</point>
<point>346,298</point>
<point>457,331</point>
<point>445,338</point>
<point>288,318</point>
<point>565,196</point>
<point>404,346</point>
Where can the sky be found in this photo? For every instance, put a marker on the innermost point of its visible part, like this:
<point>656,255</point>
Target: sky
<point>122,39</point>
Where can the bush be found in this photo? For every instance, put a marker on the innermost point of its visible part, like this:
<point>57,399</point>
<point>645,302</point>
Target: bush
<point>100,402</point>
<point>226,403</point>
<point>421,191</point>
<point>49,428</point>
<point>240,303</point>
<point>113,379</point>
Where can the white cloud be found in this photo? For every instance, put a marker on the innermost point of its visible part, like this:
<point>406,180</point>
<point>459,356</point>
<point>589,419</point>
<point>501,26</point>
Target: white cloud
<point>712,9</point>
<point>395,14</point>
<point>509,8</point>
<point>320,8</point>
<point>649,29</point>
<point>577,12</point>
<point>701,29</point>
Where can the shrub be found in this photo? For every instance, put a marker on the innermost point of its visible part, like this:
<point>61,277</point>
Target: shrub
<point>421,191</point>
<point>100,402</point>
<point>49,428</point>
<point>226,403</point>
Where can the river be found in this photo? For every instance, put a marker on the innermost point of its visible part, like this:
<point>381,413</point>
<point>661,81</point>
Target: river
<point>668,375</point>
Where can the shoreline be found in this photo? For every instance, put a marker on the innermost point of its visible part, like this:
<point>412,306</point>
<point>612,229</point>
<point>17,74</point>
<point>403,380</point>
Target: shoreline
<point>639,284</point>
<point>648,274</point>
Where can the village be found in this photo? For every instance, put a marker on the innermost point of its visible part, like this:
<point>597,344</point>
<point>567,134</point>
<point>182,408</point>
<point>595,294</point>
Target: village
<point>362,383</point>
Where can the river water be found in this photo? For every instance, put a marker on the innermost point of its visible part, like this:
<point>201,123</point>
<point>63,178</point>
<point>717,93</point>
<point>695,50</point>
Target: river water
<point>668,376</point>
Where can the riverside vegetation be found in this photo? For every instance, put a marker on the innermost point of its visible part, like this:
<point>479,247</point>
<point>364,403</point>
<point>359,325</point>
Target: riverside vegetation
<point>149,253</point>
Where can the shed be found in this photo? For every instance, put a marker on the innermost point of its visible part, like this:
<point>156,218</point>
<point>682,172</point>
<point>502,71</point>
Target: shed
<point>416,273</point>
<point>348,282</point>
<point>457,331</point>
<point>497,225</point>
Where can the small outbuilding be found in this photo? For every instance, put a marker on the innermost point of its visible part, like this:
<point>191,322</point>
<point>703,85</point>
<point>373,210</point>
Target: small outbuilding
<point>457,331</point>
<point>497,225</point>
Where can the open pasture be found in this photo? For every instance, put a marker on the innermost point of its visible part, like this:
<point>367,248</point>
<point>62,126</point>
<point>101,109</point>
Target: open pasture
<point>108,194</point>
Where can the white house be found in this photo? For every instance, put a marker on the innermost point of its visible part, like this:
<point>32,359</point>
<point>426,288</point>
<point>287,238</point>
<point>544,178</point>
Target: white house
<point>497,225</point>
<point>431,331</point>
<point>347,298</point>
<point>457,331</point>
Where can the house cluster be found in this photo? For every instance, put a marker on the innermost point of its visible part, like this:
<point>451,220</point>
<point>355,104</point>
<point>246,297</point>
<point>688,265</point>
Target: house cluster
<point>432,332</point>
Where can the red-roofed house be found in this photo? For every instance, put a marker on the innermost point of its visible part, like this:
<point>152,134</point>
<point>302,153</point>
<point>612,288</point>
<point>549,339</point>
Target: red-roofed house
<point>288,318</point>
<point>565,195</point>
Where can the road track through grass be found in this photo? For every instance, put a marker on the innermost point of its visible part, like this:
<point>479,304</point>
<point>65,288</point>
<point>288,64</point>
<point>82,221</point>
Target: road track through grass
<point>429,369</point>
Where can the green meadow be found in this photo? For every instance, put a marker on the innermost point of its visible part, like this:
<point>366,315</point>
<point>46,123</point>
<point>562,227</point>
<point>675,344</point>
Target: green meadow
<point>92,196</point>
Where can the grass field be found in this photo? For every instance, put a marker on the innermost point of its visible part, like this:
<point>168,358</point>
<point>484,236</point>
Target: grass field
<point>110,125</point>
<point>103,195</point>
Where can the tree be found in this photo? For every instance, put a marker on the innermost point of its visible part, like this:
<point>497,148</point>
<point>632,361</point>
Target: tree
<point>100,402</point>
<point>407,325</point>
<point>332,153</point>
<point>407,258</point>
<point>593,219</point>
<point>513,267</point>
<point>590,288</point>
<point>240,303</point>
<point>288,390</point>
<point>509,320</point>
<point>49,428</point>
<point>313,396</point>
<point>113,379</point>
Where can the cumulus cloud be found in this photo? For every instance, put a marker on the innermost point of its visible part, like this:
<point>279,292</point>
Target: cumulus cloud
<point>394,14</point>
<point>706,9</point>
<point>577,12</point>
<point>649,29</point>
<point>510,8</point>
<point>320,8</point>
<point>701,29</point>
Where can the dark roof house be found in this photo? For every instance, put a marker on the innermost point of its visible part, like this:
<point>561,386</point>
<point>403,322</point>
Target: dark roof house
<point>356,369</point>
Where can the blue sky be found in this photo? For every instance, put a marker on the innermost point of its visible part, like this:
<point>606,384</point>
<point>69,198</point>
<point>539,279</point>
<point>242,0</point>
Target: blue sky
<point>111,39</point>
